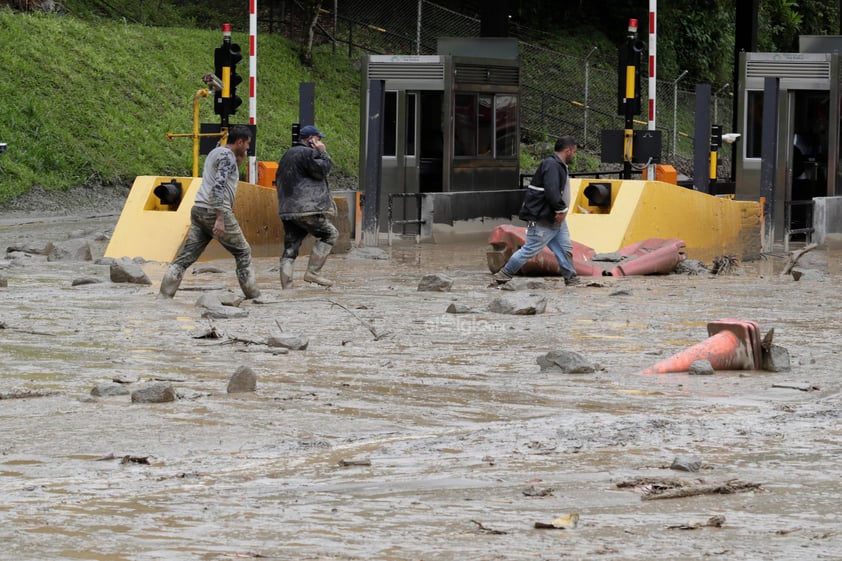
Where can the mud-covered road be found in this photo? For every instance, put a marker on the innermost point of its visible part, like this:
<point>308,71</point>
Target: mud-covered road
<point>439,439</point>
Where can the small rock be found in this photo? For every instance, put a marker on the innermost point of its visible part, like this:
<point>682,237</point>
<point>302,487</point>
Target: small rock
<point>459,308</point>
<point>686,463</point>
<point>776,359</point>
<point>71,250</point>
<point>244,380</point>
<point>368,253</point>
<point>159,392</point>
<point>520,283</point>
<point>81,281</point>
<point>567,362</point>
<point>436,282</point>
<point>109,389</point>
<point>4,282</point>
<point>224,312</point>
<point>519,304</point>
<point>808,275</point>
<point>124,379</point>
<point>621,292</point>
<point>291,342</point>
<point>701,368</point>
<point>126,270</point>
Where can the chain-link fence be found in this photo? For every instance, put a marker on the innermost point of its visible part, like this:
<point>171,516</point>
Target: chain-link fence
<point>561,94</point>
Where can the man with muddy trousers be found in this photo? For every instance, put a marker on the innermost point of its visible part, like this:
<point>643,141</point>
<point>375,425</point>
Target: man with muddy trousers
<point>544,209</point>
<point>212,216</point>
<point>305,205</point>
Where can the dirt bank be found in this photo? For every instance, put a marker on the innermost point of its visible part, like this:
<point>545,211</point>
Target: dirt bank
<point>455,443</point>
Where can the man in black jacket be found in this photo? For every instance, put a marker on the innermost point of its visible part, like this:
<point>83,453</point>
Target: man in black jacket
<point>544,209</point>
<point>305,204</point>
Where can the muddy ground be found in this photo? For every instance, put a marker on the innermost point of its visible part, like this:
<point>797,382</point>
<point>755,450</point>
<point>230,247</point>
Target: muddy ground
<point>454,442</point>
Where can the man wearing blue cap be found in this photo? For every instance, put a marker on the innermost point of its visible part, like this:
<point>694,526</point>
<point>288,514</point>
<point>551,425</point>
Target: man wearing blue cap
<point>305,205</point>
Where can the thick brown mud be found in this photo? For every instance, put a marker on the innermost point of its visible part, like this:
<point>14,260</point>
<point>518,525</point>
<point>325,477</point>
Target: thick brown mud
<point>443,420</point>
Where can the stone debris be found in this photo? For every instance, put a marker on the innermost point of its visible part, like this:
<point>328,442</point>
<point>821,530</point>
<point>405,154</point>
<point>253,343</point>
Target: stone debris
<point>566,362</point>
<point>519,304</point>
<point>291,342</point>
<point>109,389</point>
<point>126,270</point>
<point>224,312</point>
<point>158,392</point>
<point>436,282</point>
<point>244,380</point>
<point>82,281</point>
<point>520,283</point>
<point>459,308</point>
<point>686,463</point>
<point>71,250</point>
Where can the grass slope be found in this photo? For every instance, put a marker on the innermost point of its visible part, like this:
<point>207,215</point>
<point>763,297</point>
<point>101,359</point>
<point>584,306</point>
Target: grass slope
<point>86,103</point>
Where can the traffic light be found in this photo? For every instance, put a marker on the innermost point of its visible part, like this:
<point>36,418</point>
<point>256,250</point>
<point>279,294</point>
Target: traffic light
<point>225,61</point>
<point>716,135</point>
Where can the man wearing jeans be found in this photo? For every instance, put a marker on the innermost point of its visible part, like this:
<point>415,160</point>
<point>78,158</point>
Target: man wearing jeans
<point>212,216</point>
<point>544,209</point>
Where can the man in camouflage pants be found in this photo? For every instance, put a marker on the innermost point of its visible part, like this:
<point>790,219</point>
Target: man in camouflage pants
<point>212,216</point>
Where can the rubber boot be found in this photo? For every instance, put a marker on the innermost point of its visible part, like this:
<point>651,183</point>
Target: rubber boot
<point>248,284</point>
<point>171,281</point>
<point>318,256</point>
<point>286,272</point>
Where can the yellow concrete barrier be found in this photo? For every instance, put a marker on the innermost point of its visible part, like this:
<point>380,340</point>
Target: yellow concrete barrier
<point>155,231</point>
<point>637,210</point>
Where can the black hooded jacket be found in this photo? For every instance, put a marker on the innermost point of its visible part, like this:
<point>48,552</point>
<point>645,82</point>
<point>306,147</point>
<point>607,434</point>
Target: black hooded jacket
<point>548,192</point>
<point>301,181</point>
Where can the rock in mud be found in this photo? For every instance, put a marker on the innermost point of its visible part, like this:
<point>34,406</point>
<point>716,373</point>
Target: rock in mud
<point>291,342</point>
<point>4,282</point>
<point>459,308</point>
<point>374,253</point>
<point>524,284</point>
<point>126,270</point>
<point>215,300</point>
<point>224,312</point>
<point>82,281</point>
<point>519,304</point>
<point>776,359</point>
<point>71,250</point>
<point>686,463</point>
<point>205,269</point>
<point>109,389</point>
<point>436,282</point>
<point>701,368</point>
<point>159,392</point>
<point>567,362</point>
<point>244,380</point>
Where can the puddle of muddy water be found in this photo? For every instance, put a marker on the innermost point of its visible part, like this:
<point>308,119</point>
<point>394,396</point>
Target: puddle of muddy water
<point>448,417</point>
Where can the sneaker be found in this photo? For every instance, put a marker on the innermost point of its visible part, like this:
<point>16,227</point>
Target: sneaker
<point>501,277</point>
<point>573,281</point>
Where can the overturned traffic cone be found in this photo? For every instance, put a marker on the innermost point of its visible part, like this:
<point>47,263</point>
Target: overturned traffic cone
<point>733,345</point>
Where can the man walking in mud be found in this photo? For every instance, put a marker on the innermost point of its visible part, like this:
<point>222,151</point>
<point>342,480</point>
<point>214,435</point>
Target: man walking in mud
<point>305,204</point>
<point>544,209</point>
<point>212,216</point>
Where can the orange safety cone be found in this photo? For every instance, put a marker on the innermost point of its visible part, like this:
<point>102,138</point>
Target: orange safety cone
<point>732,345</point>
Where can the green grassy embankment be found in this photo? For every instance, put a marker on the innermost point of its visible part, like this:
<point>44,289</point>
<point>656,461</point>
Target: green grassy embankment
<point>87,103</point>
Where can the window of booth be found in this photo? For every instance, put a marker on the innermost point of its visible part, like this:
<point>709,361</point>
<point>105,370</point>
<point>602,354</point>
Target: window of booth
<point>754,123</point>
<point>485,125</point>
<point>390,124</point>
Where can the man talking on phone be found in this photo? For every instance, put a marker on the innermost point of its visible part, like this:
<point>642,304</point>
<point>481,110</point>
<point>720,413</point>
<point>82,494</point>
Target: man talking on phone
<point>305,205</point>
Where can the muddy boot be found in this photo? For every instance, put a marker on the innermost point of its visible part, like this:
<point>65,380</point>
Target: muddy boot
<point>248,283</point>
<point>171,281</point>
<point>286,272</point>
<point>318,256</point>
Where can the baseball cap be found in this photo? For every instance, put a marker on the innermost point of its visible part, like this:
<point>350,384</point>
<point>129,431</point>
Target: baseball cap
<point>309,130</point>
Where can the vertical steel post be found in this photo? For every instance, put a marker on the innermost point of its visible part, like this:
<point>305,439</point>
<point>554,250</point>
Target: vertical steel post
<point>701,140</point>
<point>587,101</point>
<point>675,112</point>
<point>768,161</point>
<point>374,162</point>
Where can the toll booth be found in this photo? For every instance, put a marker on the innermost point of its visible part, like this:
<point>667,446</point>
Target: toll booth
<point>808,158</point>
<point>450,124</point>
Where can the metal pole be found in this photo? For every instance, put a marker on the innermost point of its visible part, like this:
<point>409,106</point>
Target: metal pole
<point>653,83</point>
<point>587,103</point>
<point>675,112</point>
<point>418,30</point>
<point>768,165</point>
<point>716,102</point>
<point>252,167</point>
<point>374,161</point>
<point>335,23</point>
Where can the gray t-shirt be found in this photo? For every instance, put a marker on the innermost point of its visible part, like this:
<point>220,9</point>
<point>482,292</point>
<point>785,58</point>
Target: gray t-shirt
<point>219,180</point>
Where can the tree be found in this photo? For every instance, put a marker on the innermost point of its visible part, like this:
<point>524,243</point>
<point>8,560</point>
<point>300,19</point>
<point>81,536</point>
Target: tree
<point>311,16</point>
